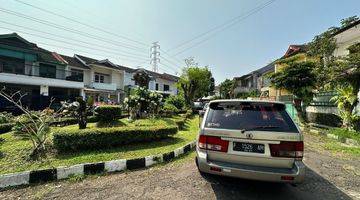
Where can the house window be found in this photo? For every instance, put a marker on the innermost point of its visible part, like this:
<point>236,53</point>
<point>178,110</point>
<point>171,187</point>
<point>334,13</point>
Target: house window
<point>48,71</point>
<point>99,78</point>
<point>76,75</point>
<point>166,87</point>
<point>12,65</point>
<point>157,86</point>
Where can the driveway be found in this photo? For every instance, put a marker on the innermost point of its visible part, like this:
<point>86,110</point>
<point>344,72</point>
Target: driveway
<point>326,178</point>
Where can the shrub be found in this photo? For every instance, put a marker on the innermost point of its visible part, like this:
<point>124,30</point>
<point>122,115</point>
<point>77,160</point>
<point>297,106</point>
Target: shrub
<point>108,113</point>
<point>6,117</point>
<point>6,127</point>
<point>188,113</point>
<point>177,100</point>
<point>324,119</point>
<point>180,122</point>
<point>79,110</point>
<point>169,110</point>
<point>142,101</point>
<point>99,138</point>
<point>356,123</point>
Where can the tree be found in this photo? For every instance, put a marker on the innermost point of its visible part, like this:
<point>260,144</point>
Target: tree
<point>322,47</point>
<point>78,109</point>
<point>345,100</point>
<point>32,125</point>
<point>299,79</point>
<point>226,89</point>
<point>347,21</point>
<point>142,78</point>
<point>346,75</point>
<point>195,83</point>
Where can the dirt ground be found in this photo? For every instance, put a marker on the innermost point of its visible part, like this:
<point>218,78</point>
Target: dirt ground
<point>329,176</point>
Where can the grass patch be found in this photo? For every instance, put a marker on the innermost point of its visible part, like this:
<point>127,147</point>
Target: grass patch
<point>333,146</point>
<point>343,133</point>
<point>16,150</point>
<point>338,147</point>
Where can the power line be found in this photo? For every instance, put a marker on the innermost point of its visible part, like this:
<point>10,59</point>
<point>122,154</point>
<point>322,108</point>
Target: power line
<point>112,42</point>
<point>106,56</point>
<point>175,72</point>
<point>170,62</point>
<point>173,57</point>
<point>67,38</point>
<point>221,27</point>
<point>82,23</point>
<point>74,44</point>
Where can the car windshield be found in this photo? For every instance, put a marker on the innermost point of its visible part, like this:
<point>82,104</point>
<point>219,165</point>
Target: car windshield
<point>249,116</point>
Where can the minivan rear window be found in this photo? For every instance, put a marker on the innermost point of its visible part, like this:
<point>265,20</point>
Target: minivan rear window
<point>257,116</point>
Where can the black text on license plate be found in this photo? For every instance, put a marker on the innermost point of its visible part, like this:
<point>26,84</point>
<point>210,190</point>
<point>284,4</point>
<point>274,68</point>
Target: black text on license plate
<point>249,147</point>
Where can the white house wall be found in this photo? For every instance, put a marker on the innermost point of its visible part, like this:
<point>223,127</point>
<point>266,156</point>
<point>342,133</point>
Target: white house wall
<point>34,80</point>
<point>346,39</point>
<point>128,79</point>
<point>172,85</point>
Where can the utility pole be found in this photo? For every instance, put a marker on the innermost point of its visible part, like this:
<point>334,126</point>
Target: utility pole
<point>154,56</point>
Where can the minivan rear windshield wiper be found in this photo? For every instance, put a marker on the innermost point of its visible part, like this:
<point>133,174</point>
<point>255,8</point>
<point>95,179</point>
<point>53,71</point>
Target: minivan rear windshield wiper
<point>260,128</point>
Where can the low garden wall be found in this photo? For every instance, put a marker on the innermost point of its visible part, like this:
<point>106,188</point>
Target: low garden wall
<point>327,119</point>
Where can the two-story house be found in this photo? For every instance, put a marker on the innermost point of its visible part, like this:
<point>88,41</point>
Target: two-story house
<point>39,73</point>
<point>162,83</point>
<point>255,81</point>
<point>246,83</point>
<point>45,75</point>
<point>104,80</point>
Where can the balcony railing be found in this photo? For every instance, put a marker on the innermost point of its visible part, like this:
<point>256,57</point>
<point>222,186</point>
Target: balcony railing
<point>103,86</point>
<point>45,73</point>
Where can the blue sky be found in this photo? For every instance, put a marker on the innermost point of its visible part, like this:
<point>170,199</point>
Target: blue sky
<point>246,46</point>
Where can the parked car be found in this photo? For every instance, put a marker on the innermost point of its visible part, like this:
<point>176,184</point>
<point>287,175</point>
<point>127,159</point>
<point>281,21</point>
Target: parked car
<point>197,106</point>
<point>252,140</point>
<point>203,110</point>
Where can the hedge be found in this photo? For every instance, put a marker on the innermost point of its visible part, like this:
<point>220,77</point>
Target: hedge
<point>180,122</point>
<point>69,121</point>
<point>99,138</point>
<point>4,128</point>
<point>324,119</point>
<point>108,113</point>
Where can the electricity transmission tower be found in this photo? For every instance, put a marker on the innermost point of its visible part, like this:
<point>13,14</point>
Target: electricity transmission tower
<point>155,56</point>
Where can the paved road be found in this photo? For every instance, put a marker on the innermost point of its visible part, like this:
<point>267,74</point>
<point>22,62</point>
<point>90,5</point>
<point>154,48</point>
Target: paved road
<point>181,180</point>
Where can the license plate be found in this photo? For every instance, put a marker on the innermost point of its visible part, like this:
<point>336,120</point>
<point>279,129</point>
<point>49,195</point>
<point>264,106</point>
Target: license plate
<point>249,147</point>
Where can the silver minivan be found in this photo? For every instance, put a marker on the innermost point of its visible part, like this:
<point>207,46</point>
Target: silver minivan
<point>252,140</point>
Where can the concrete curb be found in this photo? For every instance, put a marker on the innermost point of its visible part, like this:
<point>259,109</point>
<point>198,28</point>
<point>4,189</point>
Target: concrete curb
<point>59,173</point>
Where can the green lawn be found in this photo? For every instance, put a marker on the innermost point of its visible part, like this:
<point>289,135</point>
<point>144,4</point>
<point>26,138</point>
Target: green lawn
<point>343,133</point>
<point>16,150</point>
<point>339,147</point>
<point>335,146</point>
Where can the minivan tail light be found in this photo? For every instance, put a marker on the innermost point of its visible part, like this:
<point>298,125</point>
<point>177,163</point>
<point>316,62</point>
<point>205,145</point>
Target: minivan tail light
<point>213,143</point>
<point>288,150</point>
